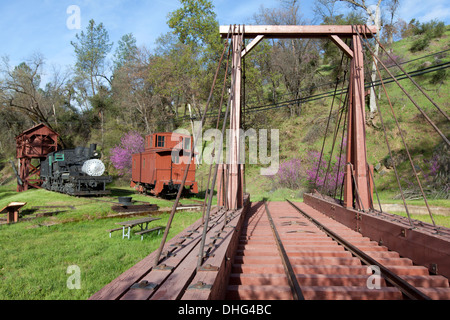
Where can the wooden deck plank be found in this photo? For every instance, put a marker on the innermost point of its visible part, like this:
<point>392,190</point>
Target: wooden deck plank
<point>157,277</point>
<point>174,286</point>
<point>143,281</point>
<point>115,289</point>
<point>222,257</point>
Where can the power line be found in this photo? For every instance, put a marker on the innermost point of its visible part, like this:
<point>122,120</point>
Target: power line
<point>367,63</point>
<point>331,93</point>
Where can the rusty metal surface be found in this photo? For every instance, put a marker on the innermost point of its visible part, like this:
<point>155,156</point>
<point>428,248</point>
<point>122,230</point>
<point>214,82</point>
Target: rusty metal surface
<point>422,243</point>
<point>155,170</point>
<point>290,274</point>
<point>34,143</point>
<point>324,269</point>
<point>407,289</point>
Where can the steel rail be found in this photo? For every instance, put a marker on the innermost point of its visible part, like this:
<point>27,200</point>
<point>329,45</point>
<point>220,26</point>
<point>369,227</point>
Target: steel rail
<point>407,289</point>
<point>292,278</point>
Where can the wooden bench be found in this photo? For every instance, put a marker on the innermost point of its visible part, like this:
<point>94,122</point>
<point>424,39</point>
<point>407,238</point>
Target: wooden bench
<point>12,211</point>
<point>141,233</point>
<point>112,230</point>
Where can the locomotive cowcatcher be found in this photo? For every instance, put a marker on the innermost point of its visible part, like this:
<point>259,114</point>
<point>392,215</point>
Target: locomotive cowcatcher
<point>160,168</point>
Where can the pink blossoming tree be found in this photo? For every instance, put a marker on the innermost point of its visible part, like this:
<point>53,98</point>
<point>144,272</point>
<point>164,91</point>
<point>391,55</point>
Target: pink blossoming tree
<point>131,143</point>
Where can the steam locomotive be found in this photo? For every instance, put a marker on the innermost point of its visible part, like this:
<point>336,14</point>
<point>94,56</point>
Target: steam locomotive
<point>77,172</point>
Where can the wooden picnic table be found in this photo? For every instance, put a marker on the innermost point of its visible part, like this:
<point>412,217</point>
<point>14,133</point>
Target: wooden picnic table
<point>138,222</point>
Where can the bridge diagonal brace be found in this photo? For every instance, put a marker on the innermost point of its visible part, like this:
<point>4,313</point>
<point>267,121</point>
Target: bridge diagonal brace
<point>251,45</point>
<point>342,45</point>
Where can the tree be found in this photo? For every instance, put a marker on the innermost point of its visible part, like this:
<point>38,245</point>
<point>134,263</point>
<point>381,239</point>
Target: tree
<point>121,155</point>
<point>91,50</point>
<point>20,90</point>
<point>126,51</point>
<point>196,52</point>
<point>133,93</point>
<point>296,60</point>
<point>373,12</point>
<point>195,23</point>
<point>389,26</point>
<point>102,102</point>
<point>332,54</point>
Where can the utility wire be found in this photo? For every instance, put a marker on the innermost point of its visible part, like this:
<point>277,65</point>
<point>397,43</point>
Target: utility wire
<point>328,94</point>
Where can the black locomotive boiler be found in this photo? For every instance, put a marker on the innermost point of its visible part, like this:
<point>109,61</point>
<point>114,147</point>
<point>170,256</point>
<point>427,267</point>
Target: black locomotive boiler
<point>76,172</point>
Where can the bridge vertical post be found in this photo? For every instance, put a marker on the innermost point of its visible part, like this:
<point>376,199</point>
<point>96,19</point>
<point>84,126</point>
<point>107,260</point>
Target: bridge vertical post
<point>235,191</point>
<point>220,185</point>
<point>356,136</point>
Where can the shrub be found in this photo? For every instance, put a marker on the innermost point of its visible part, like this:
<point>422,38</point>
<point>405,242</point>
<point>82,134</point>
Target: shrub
<point>439,77</point>
<point>433,29</point>
<point>317,176</point>
<point>428,31</point>
<point>131,143</point>
<point>311,172</point>
<point>289,174</point>
<point>420,44</point>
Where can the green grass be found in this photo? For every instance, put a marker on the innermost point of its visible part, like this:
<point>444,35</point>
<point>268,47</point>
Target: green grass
<point>34,259</point>
<point>441,221</point>
<point>85,207</point>
<point>388,197</point>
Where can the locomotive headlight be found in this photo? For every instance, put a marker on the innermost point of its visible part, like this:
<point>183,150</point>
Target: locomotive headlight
<point>93,168</point>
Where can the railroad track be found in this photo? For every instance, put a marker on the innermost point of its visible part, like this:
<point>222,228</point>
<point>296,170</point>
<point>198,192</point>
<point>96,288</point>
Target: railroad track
<point>291,251</point>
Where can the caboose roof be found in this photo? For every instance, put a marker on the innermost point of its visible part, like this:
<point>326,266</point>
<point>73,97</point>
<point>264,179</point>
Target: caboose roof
<point>169,133</point>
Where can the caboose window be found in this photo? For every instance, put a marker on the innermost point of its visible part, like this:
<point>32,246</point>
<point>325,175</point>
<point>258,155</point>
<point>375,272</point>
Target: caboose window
<point>161,142</point>
<point>187,143</point>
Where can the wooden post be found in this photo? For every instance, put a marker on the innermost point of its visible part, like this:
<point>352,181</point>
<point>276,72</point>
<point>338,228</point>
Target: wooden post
<point>220,185</point>
<point>359,119</point>
<point>235,190</point>
<point>348,182</point>
<point>356,138</point>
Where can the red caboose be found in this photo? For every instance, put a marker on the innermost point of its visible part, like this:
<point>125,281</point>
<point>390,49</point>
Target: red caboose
<point>160,168</point>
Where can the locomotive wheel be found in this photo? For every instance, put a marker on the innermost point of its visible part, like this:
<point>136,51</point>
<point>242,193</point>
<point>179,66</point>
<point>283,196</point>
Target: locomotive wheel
<point>55,186</point>
<point>93,184</point>
<point>69,188</point>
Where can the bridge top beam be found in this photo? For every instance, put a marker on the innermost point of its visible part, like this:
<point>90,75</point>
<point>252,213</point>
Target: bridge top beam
<point>289,32</point>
